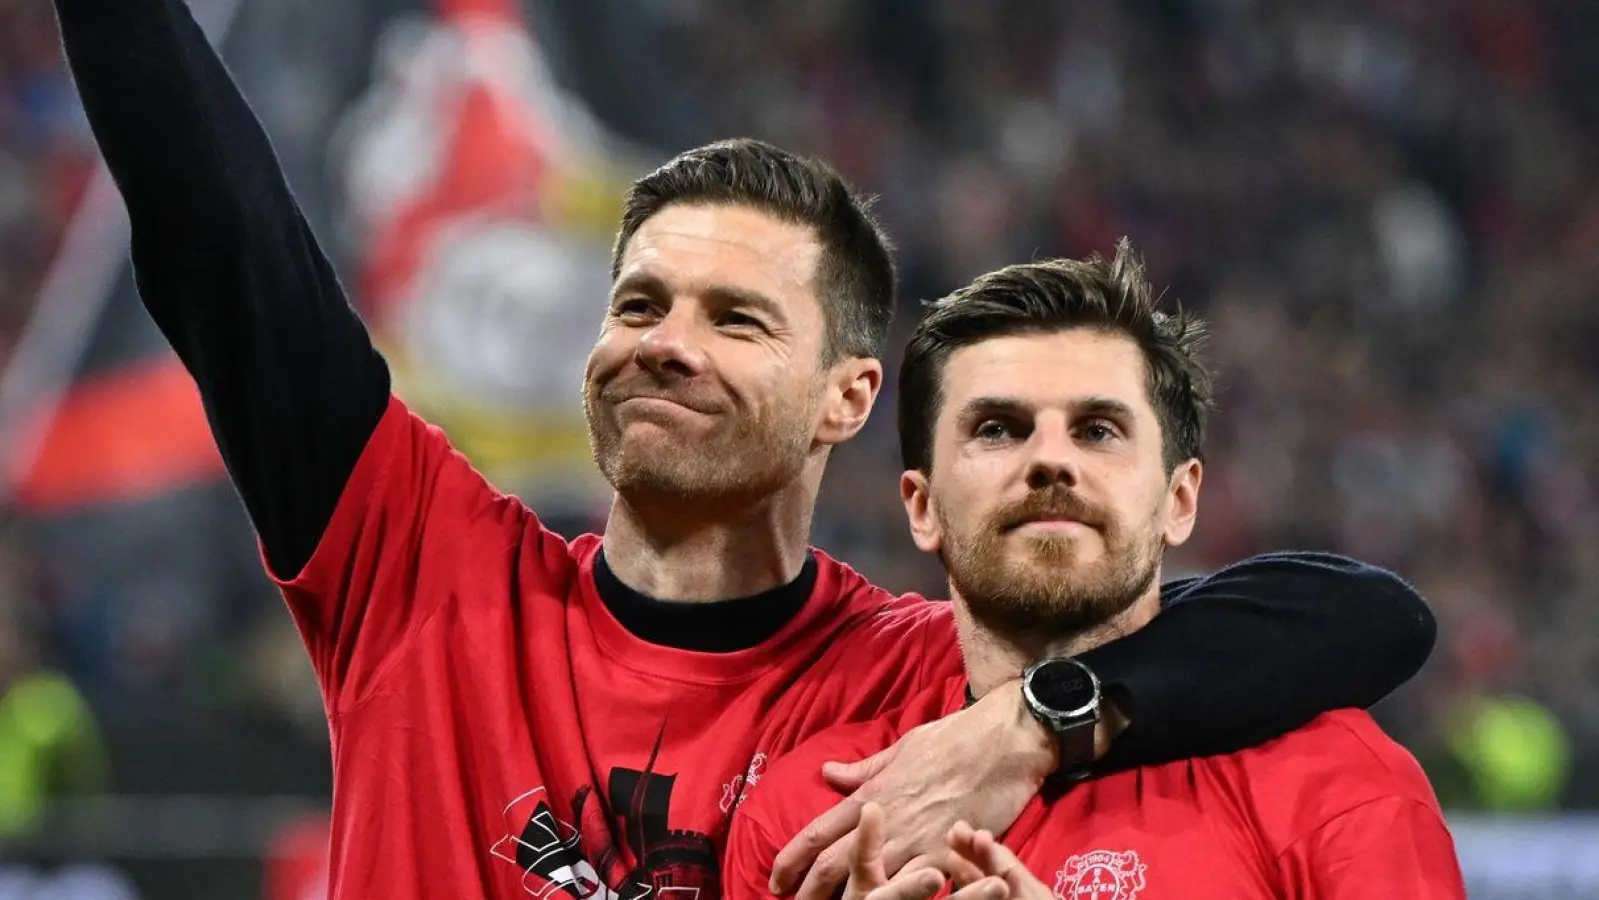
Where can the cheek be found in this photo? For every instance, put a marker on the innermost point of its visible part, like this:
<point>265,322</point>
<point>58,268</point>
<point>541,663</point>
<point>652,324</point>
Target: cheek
<point>985,477</point>
<point>767,382</point>
<point>1142,506</point>
<point>966,497</point>
<point>610,352</point>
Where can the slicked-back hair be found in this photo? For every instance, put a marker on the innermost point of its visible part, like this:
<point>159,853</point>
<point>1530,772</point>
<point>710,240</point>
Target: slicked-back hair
<point>855,274</point>
<point>1111,296</point>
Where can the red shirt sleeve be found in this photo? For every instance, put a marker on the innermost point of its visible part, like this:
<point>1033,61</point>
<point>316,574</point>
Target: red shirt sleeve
<point>1388,847</point>
<point>1345,812</point>
<point>751,850</point>
<point>415,527</point>
<point>791,794</point>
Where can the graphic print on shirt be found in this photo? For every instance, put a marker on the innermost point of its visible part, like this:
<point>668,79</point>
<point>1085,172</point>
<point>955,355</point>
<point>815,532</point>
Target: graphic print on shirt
<point>735,791</point>
<point>549,851</point>
<point>1101,875</point>
<point>585,861</point>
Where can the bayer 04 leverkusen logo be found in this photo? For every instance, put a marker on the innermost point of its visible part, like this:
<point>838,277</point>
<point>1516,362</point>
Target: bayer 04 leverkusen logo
<point>1101,875</point>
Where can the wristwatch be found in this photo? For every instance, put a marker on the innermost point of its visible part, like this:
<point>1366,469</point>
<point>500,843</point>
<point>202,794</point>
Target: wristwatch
<point>1063,695</point>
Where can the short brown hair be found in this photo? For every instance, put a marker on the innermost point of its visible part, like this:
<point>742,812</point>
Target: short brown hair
<point>855,276</point>
<point>1057,295</point>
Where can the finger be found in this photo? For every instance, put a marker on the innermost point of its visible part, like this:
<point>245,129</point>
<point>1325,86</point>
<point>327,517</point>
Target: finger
<point>847,778</point>
<point>989,888</point>
<point>915,864</point>
<point>1020,879</point>
<point>960,841</point>
<point>801,853</point>
<point>866,862</point>
<point>962,871</point>
<point>897,857</point>
<point>829,872</point>
<point>997,859</point>
<point>919,885</point>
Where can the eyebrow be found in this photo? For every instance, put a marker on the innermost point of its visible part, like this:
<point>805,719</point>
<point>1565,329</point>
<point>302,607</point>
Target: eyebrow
<point>980,407</point>
<point>640,282</point>
<point>729,295</point>
<point>1108,407</point>
<point>724,295</point>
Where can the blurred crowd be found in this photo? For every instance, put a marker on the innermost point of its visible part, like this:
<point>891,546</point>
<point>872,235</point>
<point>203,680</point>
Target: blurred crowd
<point>1387,208</point>
<point>48,743</point>
<point>45,156</point>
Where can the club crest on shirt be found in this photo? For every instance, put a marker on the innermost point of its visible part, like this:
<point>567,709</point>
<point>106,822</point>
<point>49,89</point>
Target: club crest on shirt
<point>735,791</point>
<point>1100,875</point>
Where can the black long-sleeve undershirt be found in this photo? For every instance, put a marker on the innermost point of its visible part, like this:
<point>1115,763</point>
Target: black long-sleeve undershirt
<point>1313,631</point>
<point>293,388</point>
<point>228,267</point>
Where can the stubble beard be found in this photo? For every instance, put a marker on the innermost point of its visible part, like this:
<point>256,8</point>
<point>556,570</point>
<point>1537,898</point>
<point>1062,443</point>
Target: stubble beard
<point>744,459</point>
<point>1048,592</point>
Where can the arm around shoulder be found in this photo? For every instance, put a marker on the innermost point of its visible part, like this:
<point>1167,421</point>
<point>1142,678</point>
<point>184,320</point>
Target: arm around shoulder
<point>1258,649</point>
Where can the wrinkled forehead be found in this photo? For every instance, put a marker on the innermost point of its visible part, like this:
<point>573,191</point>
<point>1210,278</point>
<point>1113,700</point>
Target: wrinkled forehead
<point>690,247</point>
<point>1054,370</point>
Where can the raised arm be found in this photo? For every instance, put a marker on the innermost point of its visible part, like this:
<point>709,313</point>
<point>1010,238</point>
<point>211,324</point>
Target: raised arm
<point>228,267</point>
<point>1258,649</point>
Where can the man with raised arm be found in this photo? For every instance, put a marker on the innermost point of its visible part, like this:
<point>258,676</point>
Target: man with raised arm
<point>515,711</point>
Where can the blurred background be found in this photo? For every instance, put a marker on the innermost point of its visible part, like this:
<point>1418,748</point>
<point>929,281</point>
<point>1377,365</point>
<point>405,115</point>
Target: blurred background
<point>1389,209</point>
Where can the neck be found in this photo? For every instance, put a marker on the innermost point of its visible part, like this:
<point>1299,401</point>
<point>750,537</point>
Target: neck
<point>695,551</point>
<point>994,657</point>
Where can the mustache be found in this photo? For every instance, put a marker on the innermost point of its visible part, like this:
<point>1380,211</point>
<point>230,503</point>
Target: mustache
<point>682,394</point>
<point>1053,502</point>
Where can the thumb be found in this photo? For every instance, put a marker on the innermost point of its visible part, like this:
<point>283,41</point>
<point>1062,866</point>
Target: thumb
<point>848,777</point>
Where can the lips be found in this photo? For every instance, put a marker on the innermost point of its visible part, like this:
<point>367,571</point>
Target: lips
<point>1033,520</point>
<point>675,401</point>
<point>1029,520</point>
<point>693,394</point>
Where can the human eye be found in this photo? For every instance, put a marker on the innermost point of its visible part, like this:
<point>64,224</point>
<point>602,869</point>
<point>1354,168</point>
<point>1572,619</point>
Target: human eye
<point>1099,431</point>
<point>634,308</point>
<point>735,319</point>
<point>993,430</point>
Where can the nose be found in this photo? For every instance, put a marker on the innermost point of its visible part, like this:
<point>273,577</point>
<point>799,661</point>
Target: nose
<point>674,345</point>
<point>1053,456</point>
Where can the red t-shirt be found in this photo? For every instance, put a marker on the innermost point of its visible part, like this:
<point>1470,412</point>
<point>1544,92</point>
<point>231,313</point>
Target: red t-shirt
<point>1335,811</point>
<point>483,701</point>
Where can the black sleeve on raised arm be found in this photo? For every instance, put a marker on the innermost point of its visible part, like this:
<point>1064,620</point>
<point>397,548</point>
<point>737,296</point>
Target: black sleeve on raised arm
<point>228,267</point>
<point>1258,649</point>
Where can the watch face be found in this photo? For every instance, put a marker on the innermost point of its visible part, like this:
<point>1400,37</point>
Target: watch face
<point>1066,688</point>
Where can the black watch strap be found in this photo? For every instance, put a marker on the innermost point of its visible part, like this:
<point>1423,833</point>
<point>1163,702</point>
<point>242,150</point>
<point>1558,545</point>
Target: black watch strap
<point>1076,742</point>
<point>1071,716</point>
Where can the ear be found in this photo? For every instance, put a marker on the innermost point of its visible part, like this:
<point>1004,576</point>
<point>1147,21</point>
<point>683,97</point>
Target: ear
<point>915,493</point>
<point>1183,502</point>
<point>852,388</point>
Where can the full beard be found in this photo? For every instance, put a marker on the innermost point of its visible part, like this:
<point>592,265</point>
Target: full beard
<point>745,457</point>
<point>1048,592</point>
